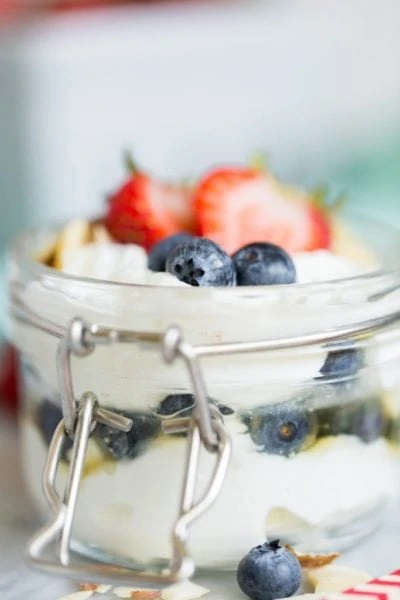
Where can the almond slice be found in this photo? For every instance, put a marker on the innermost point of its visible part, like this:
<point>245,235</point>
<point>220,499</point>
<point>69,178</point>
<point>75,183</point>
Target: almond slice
<point>99,234</point>
<point>46,253</point>
<point>186,590</point>
<point>137,593</point>
<point>99,588</point>
<point>146,595</point>
<point>282,523</point>
<point>313,561</point>
<point>123,592</point>
<point>74,235</point>
<point>335,578</point>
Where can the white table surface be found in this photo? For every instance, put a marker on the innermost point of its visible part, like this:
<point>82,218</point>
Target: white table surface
<point>379,554</point>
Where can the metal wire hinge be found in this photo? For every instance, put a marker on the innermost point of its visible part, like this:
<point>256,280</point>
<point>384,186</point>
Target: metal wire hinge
<point>50,548</point>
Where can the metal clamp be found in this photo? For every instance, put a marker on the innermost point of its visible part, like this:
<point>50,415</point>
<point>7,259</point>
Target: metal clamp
<point>79,420</point>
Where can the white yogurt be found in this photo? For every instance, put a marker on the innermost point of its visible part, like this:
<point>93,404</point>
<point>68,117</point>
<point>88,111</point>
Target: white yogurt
<point>322,265</point>
<point>123,263</point>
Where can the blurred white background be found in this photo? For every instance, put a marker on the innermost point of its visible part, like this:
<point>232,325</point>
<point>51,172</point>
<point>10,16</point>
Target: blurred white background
<point>316,84</point>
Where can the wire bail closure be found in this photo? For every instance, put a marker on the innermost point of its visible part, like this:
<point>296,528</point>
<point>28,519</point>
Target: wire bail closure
<point>79,420</point>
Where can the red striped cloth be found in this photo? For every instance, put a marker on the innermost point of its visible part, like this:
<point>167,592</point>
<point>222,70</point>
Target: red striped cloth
<point>386,587</point>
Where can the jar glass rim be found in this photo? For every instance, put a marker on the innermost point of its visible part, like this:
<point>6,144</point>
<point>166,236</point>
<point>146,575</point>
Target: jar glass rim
<point>20,252</point>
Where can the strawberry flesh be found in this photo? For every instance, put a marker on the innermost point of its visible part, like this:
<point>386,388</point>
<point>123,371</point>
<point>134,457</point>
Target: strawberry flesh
<point>235,207</point>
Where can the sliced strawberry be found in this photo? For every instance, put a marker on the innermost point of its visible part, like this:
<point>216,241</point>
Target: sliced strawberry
<point>238,206</point>
<point>144,211</point>
<point>321,237</point>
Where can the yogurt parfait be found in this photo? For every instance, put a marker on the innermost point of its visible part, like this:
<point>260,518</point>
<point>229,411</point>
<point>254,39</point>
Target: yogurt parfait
<point>235,257</point>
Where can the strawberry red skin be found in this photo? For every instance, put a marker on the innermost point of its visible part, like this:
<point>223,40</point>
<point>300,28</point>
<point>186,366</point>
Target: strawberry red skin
<point>237,206</point>
<point>322,236</point>
<point>144,211</point>
<point>9,392</point>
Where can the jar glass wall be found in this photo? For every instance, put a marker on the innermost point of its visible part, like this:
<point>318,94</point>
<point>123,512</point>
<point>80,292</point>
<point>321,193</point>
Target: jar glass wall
<point>314,429</point>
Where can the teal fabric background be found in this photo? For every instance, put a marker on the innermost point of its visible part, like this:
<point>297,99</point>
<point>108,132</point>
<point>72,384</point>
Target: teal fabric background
<point>372,182</point>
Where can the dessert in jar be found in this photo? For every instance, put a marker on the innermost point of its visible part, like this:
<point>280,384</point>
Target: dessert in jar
<point>236,257</point>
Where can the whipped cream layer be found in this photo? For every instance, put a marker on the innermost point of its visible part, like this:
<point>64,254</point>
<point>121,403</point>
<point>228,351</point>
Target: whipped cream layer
<point>127,263</point>
<point>122,263</point>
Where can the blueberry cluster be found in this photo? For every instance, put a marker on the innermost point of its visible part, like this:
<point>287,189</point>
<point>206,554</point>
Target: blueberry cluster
<point>283,428</point>
<point>200,262</point>
<point>120,445</point>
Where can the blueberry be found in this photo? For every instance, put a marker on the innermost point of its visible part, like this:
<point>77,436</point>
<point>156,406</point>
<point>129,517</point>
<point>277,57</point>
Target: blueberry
<point>282,428</point>
<point>263,264</point>
<point>342,363</point>
<point>160,251</point>
<point>365,419</point>
<point>200,262</point>
<point>269,572</point>
<point>48,417</point>
<point>127,445</point>
<point>368,422</point>
<point>181,404</point>
<point>225,410</point>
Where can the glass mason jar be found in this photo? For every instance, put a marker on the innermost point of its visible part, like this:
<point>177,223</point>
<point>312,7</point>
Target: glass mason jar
<point>314,427</point>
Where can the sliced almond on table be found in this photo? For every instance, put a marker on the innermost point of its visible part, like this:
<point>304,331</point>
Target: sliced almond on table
<point>74,235</point>
<point>186,590</point>
<point>137,593</point>
<point>335,578</point>
<point>99,588</point>
<point>123,592</point>
<point>103,589</point>
<point>146,595</point>
<point>312,561</point>
<point>99,234</point>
